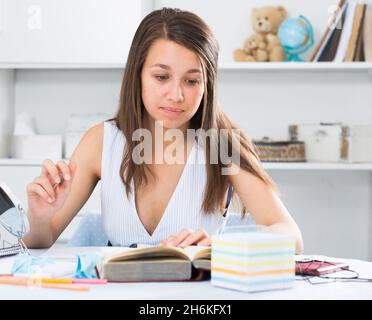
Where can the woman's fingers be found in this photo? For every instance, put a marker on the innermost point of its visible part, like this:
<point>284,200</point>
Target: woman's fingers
<point>65,170</point>
<point>205,242</point>
<point>168,241</point>
<point>194,238</point>
<point>45,183</point>
<point>188,237</point>
<point>175,240</point>
<point>59,173</point>
<point>40,191</point>
<point>49,169</point>
<point>184,234</point>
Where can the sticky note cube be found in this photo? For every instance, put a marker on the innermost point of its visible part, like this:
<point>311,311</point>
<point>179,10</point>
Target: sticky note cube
<point>253,261</point>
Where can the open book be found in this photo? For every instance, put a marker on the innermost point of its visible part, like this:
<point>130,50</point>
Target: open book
<point>155,264</point>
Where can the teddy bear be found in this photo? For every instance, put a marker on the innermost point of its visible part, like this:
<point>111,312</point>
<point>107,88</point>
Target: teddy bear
<point>266,21</point>
<point>254,49</point>
<point>264,45</point>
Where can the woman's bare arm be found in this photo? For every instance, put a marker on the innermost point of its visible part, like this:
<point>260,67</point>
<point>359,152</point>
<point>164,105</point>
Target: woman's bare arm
<point>49,219</point>
<point>265,205</point>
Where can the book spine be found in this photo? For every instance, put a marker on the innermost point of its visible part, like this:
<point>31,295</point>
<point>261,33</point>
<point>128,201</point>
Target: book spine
<point>342,6</point>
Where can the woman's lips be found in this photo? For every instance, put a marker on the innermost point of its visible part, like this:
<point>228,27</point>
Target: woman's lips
<point>172,111</point>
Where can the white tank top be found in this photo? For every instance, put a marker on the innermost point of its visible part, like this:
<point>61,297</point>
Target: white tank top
<point>120,220</point>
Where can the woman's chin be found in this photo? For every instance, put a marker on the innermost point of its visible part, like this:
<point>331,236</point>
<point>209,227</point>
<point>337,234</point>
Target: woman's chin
<point>172,124</point>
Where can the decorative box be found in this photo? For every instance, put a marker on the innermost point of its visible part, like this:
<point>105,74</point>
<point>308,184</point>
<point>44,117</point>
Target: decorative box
<point>280,151</point>
<point>36,147</point>
<point>324,142</point>
<point>253,261</point>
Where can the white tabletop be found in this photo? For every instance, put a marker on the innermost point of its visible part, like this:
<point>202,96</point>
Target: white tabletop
<point>188,290</point>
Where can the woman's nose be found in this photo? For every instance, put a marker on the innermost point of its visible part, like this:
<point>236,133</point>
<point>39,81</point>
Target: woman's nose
<point>175,92</point>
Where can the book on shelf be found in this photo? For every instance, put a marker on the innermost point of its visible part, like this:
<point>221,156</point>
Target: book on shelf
<point>332,26</point>
<point>346,32</point>
<point>330,48</point>
<point>155,264</point>
<point>348,35</point>
<point>359,48</point>
<point>367,34</point>
<point>355,32</point>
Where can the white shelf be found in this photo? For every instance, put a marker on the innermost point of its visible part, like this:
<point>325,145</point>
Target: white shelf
<point>317,166</point>
<point>232,66</point>
<point>297,66</point>
<point>56,65</point>
<point>266,165</point>
<point>23,163</point>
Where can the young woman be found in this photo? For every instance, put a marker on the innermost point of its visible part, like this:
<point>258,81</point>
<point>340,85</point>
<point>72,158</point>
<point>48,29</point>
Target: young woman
<point>169,79</point>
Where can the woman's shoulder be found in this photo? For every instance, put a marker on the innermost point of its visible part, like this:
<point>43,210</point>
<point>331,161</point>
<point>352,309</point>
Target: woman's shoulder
<point>93,137</point>
<point>89,150</point>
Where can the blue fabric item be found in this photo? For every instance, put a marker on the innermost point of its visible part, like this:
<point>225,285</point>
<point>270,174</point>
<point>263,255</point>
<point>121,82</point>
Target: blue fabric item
<point>89,232</point>
<point>27,264</point>
<point>86,265</point>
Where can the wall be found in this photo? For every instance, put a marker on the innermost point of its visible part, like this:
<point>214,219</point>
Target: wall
<point>6,110</point>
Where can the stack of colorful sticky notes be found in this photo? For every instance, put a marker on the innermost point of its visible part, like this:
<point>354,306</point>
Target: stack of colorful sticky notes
<point>253,261</point>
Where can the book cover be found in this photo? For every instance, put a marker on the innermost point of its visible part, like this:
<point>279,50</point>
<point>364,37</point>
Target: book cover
<point>359,50</point>
<point>330,48</point>
<point>155,264</point>
<point>356,30</point>
<point>331,26</point>
<point>346,32</point>
<point>367,34</point>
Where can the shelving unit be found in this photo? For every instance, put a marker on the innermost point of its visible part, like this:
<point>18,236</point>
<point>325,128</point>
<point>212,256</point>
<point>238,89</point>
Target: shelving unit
<point>298,66</point>
<point>267,165</point>
<point>232,66</point>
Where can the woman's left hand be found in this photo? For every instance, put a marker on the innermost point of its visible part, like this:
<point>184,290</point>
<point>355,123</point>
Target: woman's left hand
<point>188,237</point>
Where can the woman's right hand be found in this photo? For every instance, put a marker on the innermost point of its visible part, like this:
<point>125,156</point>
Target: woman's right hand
<point>48,192</point>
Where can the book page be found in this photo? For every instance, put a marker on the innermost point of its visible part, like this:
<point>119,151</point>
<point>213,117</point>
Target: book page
<point>198,252</point>
<point>126,254</point>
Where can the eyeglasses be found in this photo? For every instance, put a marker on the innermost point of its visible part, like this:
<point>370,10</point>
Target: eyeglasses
<point>318,272</point>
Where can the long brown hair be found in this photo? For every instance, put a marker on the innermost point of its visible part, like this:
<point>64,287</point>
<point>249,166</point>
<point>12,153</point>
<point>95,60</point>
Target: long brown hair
<point>191,32</point>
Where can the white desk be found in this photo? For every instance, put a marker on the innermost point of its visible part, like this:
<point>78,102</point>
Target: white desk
<point>190,290</point>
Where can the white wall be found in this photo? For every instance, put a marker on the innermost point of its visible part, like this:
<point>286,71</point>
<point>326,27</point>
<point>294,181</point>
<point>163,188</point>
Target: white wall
<point>265,103</point>
<point>55,94</point>
<point>331,208</point>
<point>6,110</point>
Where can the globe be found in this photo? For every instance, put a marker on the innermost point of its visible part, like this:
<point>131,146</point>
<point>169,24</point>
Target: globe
<point>296,36</point>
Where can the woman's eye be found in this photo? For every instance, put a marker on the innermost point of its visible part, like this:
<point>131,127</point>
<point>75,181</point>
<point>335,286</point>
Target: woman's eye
<point>161,78</point>
<point>192,82</point>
